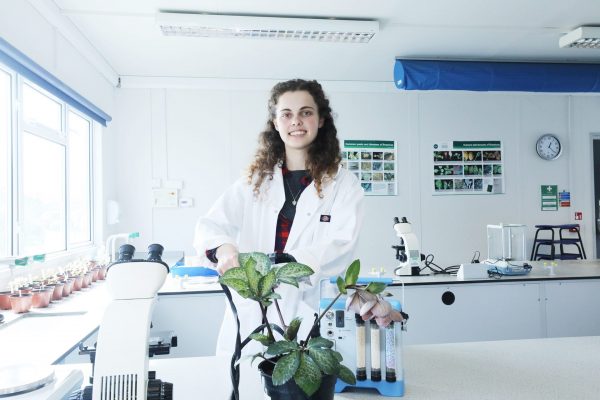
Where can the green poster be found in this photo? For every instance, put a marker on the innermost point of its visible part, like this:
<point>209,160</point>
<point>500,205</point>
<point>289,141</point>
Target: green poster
<point>549,197</point>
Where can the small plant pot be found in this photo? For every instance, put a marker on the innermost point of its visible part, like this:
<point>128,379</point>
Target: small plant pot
<point>290,390</point>
<point>25,289</point>
<point>41,298</point>
<point>58,290</point>
<point>5,301</point>
<point>21,304</point>
<point>95,274</point>
<point>68,287</point>
<point>77,283</point>
<point>102,272</point>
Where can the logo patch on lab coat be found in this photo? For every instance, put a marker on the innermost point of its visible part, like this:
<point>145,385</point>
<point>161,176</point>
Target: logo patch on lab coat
<point>325,218</point>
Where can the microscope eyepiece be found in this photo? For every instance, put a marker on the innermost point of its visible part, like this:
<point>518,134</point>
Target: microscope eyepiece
<point>126,252</point>
<point>396,220</point>
<point>155,252</point>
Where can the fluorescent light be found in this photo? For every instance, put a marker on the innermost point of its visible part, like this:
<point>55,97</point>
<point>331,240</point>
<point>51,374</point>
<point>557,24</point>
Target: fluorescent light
<point>584,37</point>
<point>276,28</point>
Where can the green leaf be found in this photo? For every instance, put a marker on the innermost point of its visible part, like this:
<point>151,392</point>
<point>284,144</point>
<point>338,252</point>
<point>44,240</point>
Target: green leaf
<point>280,347</point>
<point>294,270</point>
<point>285,368</point>
<point>263,339</point>
<point>325,360</point>
<point>375,287</point>
<point>253,276</point>
<point>308,375</point>
<point>319,342</point>
<point>263,263</point>
<point>239,285</point>
<point>346,375</point>
<point>341,285</point>
<point>292,330</point>
<point>337,355</point>
<point>266,283</point>
<point>289,281</point>
<point>235,273</point>
<point>352,273</point>
<point>273,295</point>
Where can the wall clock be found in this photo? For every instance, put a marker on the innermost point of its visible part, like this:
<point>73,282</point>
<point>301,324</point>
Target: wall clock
<point>548,147</point>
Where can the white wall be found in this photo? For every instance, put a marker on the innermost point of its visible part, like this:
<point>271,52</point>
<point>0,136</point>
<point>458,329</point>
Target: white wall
<point>205,135</point>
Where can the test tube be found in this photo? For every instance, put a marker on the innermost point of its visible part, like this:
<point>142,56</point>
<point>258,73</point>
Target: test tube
<point>375,355</point>
<point>361,369</point>
<point>390,353</point>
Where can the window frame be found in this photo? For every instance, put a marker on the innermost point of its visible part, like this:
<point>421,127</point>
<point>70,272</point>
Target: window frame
<point>18,126</point>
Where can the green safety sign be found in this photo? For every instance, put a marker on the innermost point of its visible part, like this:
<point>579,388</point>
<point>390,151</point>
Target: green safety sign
<point>549,197</point>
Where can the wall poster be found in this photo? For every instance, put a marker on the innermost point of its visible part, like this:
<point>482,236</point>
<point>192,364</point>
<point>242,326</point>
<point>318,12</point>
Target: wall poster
<point>468,167</point>
<point>374,164</point>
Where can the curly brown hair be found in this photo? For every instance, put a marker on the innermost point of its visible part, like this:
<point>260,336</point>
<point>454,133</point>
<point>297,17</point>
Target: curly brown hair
<point>323,153</point>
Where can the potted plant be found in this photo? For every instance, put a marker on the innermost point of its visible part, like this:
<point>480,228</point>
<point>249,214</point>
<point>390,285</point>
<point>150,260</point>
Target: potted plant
<point>297,367</point>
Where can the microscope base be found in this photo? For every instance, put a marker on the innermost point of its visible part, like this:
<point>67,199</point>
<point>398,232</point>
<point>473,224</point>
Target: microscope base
<point>407,270</point>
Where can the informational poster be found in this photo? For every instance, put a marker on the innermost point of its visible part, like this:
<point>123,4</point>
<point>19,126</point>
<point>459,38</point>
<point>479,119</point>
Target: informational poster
<point>468,167</point>
<point>549,194</point>
<point>374,164</point>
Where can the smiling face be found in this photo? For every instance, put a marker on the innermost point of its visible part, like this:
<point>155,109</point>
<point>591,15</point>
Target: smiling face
<point>297,120</point>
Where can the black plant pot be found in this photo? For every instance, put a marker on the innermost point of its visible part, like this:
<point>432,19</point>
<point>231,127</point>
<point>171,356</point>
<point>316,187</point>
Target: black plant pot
<point>290,390</point>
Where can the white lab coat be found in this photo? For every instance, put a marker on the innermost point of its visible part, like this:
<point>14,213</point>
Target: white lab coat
<point>248,221</point>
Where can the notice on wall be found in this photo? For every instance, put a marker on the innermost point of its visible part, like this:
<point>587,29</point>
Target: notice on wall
<point>374,164</point>
<point>549,195</point>
<point>468,167</point>
<point>564,198</point>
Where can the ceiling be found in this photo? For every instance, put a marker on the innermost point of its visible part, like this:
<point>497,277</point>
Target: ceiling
<point>125,34</point>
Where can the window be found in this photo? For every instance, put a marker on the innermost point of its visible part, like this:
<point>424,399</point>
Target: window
<point>80,193</point>
<point>5,151</point>
<point>46,178</point>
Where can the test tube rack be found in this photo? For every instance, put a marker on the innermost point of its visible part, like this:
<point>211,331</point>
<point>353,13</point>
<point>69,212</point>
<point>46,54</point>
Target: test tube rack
<point>343,328</point>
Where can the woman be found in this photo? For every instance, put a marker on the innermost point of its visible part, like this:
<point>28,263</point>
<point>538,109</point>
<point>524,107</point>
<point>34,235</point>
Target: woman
<point>295,202</point>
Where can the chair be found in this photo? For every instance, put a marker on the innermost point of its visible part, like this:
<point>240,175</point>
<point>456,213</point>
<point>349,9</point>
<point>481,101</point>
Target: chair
<point>568,240</point>
<point>543,241</point>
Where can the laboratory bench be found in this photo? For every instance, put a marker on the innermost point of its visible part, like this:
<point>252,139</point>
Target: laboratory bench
<point>540,314</point>
<point>548,369</point>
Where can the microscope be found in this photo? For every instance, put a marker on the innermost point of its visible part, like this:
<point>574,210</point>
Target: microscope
<point>407,253</point>
<point>120,358</point>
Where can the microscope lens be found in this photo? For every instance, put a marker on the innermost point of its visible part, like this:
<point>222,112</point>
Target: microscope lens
<point>155,252</point>
<point>126,252</point>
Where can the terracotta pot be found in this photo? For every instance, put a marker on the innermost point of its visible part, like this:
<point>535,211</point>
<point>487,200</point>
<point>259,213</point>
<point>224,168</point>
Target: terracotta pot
<point>5,301</point>
<point>41,298</point>
<point>102,272</point>
<point>77,282</point>
<point>87,279</point>
<point>25,289</point>
<point>68,287</point>
<point>95,273</point>
<point>58,290</point>
<point>20,304</point>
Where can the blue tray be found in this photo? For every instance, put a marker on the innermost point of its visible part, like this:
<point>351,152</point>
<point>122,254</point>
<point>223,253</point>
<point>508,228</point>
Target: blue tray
<point>178,270</point>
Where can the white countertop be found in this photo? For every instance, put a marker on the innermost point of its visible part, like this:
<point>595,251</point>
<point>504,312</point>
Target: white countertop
<point>571,269</point>
<point>548,369</point>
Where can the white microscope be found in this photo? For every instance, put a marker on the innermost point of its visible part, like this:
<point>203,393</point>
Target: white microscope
<point>407,252</point>
<point>121,355</point>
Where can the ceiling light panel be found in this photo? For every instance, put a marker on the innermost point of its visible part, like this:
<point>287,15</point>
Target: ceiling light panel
<point>275,28</point>
<point>584,37</point>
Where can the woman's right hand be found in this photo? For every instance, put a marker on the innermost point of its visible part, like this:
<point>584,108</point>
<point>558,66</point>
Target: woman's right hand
<point>227,255</point>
